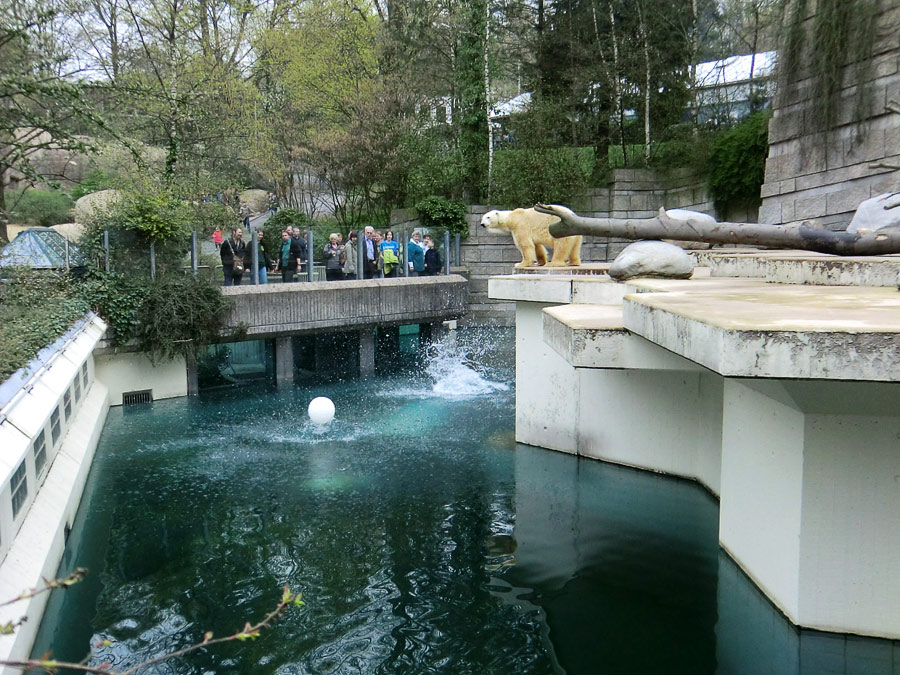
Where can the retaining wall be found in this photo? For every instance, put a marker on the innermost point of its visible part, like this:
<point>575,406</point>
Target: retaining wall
<point>824,177</point>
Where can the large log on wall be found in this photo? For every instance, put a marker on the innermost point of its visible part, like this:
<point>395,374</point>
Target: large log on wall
<point>802,236</point>
<point>822,178</point>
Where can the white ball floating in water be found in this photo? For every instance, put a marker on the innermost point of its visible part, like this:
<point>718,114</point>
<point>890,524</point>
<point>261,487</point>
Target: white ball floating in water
<point>321,410</point>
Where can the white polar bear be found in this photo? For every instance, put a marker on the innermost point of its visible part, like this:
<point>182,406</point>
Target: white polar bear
<point>531,233</point>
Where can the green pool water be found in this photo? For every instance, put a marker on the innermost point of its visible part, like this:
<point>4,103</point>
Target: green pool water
<point>423,539</point>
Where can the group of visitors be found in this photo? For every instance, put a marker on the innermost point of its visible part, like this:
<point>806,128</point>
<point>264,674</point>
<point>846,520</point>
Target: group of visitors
<point>381,256</point>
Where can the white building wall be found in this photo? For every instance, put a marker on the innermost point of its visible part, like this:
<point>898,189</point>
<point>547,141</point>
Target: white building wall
<point>130,371</point>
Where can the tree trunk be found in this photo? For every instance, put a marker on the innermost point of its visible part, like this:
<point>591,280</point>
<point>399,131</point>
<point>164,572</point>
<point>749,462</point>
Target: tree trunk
<point>642,31</point>
<point>487,98</point>
<point>617,83</point>
<point>803,236</point>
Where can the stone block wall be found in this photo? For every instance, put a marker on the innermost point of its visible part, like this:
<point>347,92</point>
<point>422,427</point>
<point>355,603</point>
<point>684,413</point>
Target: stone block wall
<point>630,193</point>
<point>823,178</point>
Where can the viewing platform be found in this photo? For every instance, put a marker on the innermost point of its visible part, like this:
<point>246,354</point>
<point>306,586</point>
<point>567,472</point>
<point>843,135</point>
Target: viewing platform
<point>760,378</point>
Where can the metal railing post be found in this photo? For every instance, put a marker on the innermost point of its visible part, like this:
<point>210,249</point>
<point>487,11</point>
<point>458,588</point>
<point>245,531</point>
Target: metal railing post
<point>68,266</point>
<point>152,260</point>
<point>456,249</point>
<point>405,256</point>
<point>310,272</point>
<point>360,254</point>
<point>194,252</point>
<point>106,249</point>
<point>446,251</point>
<point>254,257</point>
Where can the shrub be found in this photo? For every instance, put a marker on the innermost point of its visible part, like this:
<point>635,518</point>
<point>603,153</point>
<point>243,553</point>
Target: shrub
<point>42,208</point>
<point>94,181</point>
<point>444,214</point>
<point>737,164</point>
<point>36,308</point>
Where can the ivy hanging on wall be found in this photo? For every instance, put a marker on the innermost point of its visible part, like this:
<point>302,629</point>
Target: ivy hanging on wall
<point>831,43</point>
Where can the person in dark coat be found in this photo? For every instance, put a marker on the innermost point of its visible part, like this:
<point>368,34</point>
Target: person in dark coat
<point>301,246</point>
<point>233,249</point>
<point>289,254</point>
<point>432,258</point>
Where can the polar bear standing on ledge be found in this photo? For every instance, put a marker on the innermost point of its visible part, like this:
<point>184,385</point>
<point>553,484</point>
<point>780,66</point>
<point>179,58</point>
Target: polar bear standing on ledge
<point>531,233</point>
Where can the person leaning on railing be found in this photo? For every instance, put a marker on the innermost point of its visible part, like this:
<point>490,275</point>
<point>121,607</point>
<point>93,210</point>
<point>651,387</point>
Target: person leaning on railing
<point>415,253</point>
<point>288,255</point>
<point>332,254</point>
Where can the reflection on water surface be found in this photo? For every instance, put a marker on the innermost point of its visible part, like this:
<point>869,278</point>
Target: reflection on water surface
<point>422,538</point>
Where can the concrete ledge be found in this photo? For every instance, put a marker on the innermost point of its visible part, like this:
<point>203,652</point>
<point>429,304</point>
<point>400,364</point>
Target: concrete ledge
<point>776,331</point>
<point>39,545</point>
<point>556,288</point>
<point>802,267</point>
<point>291,309</point>
<point>593,336</point>
<point>587,336</point>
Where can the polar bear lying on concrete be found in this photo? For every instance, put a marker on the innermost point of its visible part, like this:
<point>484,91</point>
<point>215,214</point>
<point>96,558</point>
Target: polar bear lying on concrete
<point>530,232</point>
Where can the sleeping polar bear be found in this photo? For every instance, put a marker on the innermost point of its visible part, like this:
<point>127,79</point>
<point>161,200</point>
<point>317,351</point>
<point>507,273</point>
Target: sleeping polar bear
<point>530,232</point>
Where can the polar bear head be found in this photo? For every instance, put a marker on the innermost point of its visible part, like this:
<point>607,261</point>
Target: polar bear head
<point>495,221</point>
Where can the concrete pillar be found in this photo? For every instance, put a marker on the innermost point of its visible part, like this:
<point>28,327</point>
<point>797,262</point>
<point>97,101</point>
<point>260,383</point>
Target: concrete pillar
<point>809,503</point>
<point>367,352</point>
<point>193,385</point>
<point>431,332</point>
<point>284,361</point>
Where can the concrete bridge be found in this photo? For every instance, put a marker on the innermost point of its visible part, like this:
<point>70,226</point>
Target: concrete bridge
<point>283,311</point>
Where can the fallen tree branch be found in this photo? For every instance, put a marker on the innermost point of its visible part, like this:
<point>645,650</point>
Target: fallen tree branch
<point>803,236</point>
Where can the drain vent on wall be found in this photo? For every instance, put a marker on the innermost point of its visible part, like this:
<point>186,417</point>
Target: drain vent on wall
<point>133,397</point>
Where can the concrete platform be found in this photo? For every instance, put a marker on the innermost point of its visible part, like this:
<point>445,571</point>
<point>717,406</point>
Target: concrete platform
<point>783,399</point>
<point>749,329</point>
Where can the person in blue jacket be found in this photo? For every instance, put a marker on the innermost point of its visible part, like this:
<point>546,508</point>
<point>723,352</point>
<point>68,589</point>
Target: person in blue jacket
<point>416,254</point>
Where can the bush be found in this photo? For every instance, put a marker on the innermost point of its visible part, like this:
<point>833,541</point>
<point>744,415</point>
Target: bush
<point>444,214</point>
<point>133,224</point>
<point>552,176</point>
<point>42,208</point>
<point>36,308</point>
<point>94,181</point>
<point>737,164</point>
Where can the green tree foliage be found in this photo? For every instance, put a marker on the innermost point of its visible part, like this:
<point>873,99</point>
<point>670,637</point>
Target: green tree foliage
<point>737,164</point>
<point>552,176</point>
<point>40,207</point>
<point>442,213</point>
<point>41,102</point>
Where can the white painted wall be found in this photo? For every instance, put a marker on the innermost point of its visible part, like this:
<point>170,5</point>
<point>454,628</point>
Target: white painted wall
<point>546,386</point>
<point>762,487</point>
<point>37,549</point>
<point>129,371</point>
<point>662,420</point>
<point>850,546</point>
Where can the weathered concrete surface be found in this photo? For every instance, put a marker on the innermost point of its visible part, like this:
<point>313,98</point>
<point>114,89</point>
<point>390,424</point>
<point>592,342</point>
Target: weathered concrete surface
<point>293,309</point>
<point>753,330</point>
<point>802,267</point>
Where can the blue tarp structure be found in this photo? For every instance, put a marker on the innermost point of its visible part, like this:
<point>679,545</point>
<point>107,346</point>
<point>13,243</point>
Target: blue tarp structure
<point>40,248</point>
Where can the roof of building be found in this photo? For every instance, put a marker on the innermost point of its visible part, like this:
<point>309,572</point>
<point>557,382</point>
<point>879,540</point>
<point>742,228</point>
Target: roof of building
<point>40,248</point>
<point>735,69</point>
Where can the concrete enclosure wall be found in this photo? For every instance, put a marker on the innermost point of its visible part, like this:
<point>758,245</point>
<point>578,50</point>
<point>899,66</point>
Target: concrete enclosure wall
<point>811,176</point>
